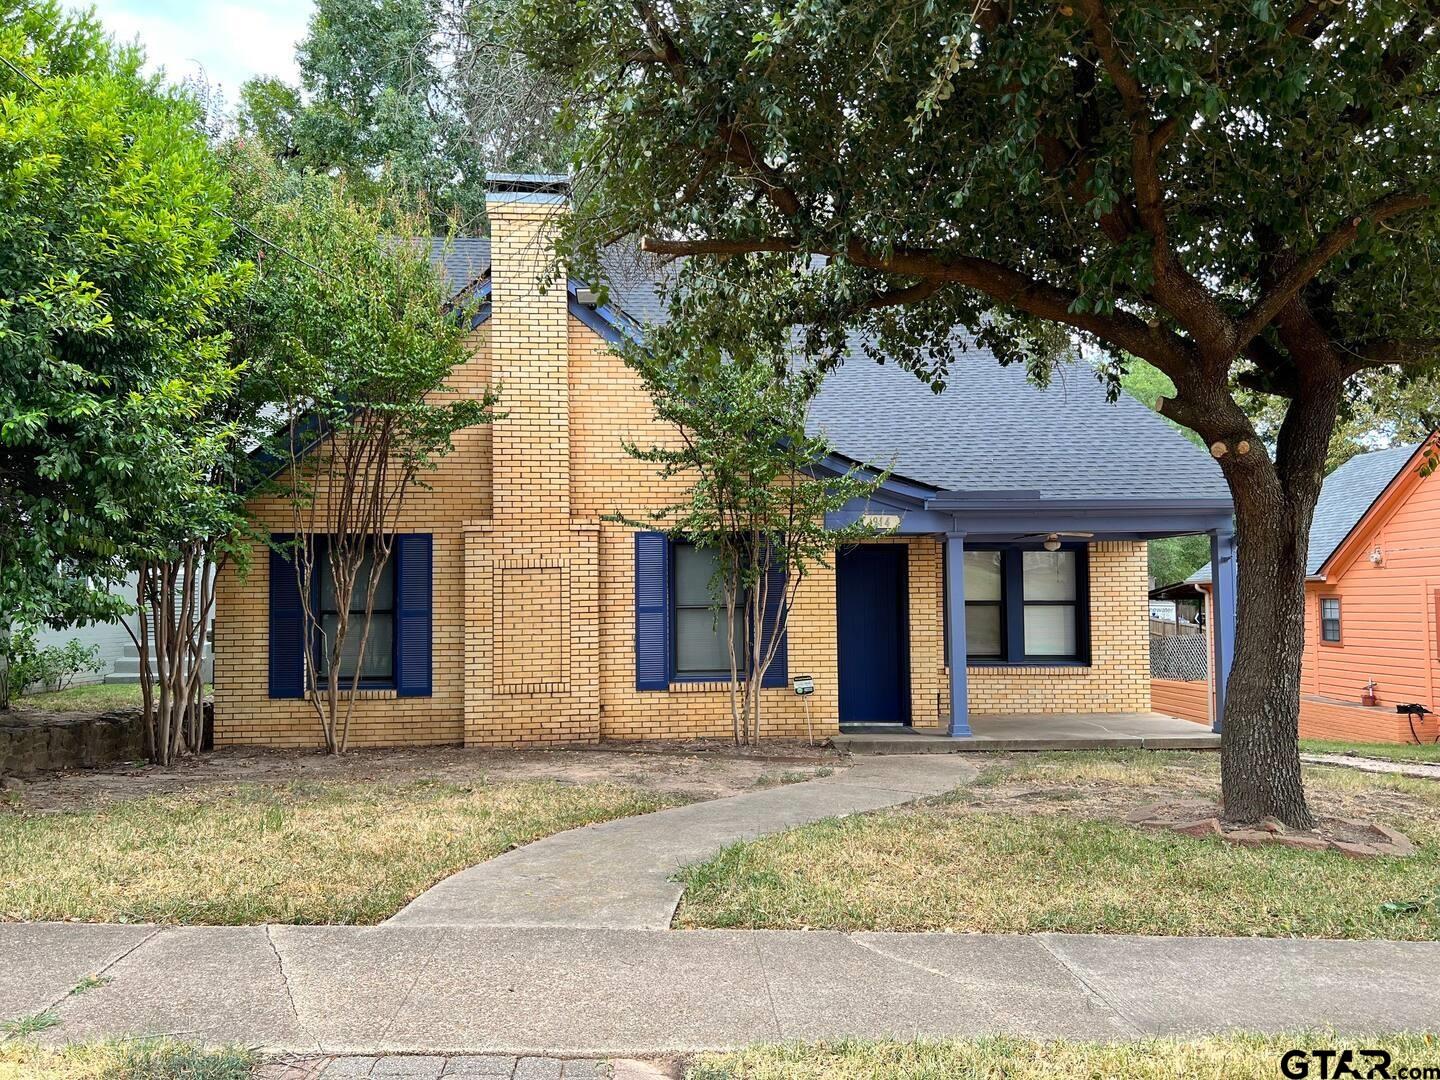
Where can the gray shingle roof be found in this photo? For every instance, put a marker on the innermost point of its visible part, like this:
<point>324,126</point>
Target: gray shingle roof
<point>993,430</point>
<point>990,430</point>
<point>461,260</point>
<point>633,277</point>
<point>1346,495</point>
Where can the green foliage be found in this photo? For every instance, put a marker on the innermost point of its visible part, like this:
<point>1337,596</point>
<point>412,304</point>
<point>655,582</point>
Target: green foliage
<point>1237,192</point>
<point>1381,409</point>
<point>23,1026</point>
<point>51,667</point>
<point>1149,385</point>
<point>408,96</point>
<point>961,133</point>
<point>758,485</point>
<point>1175,558</point>
<point>357,335</point>
<point>350,327</point>
<point>114,277</point>
<point>267,112</point>
<point>138,1059</point>
<point>376,102</point>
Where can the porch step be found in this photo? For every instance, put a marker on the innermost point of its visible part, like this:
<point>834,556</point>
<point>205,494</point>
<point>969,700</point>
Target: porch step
<point>869,743</point>
<point>1040,731</point>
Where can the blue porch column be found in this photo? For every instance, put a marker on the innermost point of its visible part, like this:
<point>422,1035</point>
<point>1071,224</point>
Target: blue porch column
<point>955,630</point>
<point>1222,622</point>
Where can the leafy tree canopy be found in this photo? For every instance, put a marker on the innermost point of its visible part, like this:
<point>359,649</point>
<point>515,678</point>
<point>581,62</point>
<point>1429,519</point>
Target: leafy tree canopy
<point>959,156</point>
<point>114,275</point>
<point>416,95</point>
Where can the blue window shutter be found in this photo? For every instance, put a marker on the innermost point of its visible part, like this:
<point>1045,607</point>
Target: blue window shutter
<point>414,557</point>
<point>652,611</point>
<point>287,625</point>
<point>778,673</point>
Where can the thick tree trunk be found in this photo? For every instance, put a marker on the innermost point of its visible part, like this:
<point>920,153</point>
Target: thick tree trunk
<point>1274,507</point>
<point>1260,759</point>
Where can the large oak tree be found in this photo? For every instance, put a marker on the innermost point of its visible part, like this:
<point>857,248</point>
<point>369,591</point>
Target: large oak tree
<point>1239,192</point>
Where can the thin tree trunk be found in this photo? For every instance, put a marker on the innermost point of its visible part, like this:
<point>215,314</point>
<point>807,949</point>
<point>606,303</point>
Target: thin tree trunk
<point>4,665</point>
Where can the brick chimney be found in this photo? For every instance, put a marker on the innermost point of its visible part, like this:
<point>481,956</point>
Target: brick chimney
<point>531,573</point>
<point>529,350</point>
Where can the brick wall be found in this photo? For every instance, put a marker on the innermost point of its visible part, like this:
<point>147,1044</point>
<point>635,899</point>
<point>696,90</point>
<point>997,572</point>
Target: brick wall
<point>534,588</point>
<point>608,405</point>
<point>1118,676</point>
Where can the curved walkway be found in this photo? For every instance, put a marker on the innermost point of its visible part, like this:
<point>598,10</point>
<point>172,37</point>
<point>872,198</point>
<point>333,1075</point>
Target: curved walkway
<point>617,875</point>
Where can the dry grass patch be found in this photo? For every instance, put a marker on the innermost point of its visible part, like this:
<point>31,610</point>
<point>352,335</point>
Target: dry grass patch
<point>287,853</point>
<point>1038,845</point>
<point>161,1059</point>
<point>1230,1057</point>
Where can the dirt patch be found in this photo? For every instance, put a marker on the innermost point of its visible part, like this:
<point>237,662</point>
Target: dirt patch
<point>1183,797</point>
<point>709,772</point>
<point>1358,839</point>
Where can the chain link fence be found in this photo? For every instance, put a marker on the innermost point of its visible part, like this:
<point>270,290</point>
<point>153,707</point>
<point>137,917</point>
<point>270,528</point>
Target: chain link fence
<point>1181,658</point>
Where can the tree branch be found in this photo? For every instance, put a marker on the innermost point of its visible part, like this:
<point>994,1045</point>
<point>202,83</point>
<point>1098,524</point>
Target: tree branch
<point>1401,353</point>
<point>1177,290</point>
<point>1163,348</point>
<point>1301,273</point>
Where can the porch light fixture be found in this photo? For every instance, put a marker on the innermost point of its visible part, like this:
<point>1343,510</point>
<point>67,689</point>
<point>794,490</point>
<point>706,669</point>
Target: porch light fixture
<point>1377,556</point>
<point>1052,542</point>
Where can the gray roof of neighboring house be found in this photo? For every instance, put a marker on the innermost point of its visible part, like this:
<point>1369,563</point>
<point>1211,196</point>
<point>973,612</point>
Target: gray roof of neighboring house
<point>1346,496</point>
<point>990,430</point>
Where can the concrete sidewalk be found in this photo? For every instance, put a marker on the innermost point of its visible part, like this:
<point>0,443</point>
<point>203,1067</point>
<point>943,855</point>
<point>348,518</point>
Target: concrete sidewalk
<point>1421,770</point>
<point>601,993</point>
<point>618,874</point>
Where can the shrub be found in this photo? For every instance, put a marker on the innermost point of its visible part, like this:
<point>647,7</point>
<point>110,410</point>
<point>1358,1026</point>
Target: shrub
<point>52,667</point>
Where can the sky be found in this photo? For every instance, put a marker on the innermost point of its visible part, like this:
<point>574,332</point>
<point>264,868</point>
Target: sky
<point>230,39</point>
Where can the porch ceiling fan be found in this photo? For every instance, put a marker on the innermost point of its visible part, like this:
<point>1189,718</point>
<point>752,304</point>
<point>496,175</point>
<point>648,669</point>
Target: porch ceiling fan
<point>1051,540</point>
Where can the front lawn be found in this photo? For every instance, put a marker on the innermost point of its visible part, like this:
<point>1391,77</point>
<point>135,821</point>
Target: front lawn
<point>93,698</point>
<point>1429,753</point>
<point>1228,1057</point>
<point>1038,844</point>
<point>299,852</point>
<point>160,1059</point>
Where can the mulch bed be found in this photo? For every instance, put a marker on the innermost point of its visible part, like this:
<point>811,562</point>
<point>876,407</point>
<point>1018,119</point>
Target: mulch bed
<point>1200,818</point>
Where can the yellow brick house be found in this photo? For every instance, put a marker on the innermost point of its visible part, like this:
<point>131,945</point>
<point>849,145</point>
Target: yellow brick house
<point>1013,579</point>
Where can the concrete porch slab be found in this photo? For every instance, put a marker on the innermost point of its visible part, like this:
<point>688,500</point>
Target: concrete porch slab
<point>1026,732</point>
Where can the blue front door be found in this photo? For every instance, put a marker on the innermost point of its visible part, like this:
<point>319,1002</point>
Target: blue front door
<point>874,633</point>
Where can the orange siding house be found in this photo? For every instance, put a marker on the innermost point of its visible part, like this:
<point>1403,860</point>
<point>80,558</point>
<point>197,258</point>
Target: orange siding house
<point>1372,600</point>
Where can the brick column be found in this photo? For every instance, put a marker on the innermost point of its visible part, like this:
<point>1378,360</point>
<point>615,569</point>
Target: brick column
<point>531,571</point>
<point>528,331</point>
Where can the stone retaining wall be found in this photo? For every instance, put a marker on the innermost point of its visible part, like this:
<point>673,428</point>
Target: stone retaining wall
<point>33,742</point>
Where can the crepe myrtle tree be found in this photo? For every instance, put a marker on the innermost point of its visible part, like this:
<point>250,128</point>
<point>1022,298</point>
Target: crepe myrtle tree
<point>757,485</point>
<point>360,335</point>
<point>1241,192</point>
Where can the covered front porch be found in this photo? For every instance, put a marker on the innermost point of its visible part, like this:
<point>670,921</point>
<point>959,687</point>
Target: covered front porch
<point>1008,694</point>
<point>1036,731</point>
